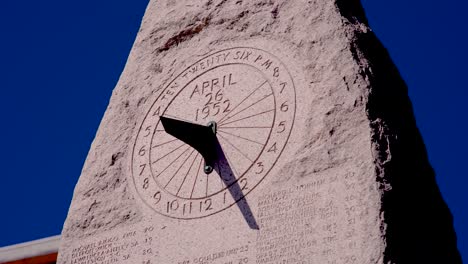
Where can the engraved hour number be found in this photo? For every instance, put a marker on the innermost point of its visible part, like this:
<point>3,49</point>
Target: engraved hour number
<point>146,183</point>
<point>283,85</point>
<point>148,131</point>
<point>142,166</point>
<point>243,184</point>
<point>284,107</point>
<point>142,151</point>
<point>260,167</point>
<point>172,206</point>
<point>281,127</point>
<point>273,148</point>
<point>206,205</point>
<point>157,197</point>
<point>187,208</point>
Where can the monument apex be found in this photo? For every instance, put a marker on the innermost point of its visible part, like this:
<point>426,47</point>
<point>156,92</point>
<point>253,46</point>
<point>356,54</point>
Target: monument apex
<point>258,132</point>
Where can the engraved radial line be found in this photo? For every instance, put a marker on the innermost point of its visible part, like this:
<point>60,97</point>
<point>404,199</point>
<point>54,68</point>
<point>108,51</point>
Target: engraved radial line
<point>165,155</point>
<point>242,101</point>
<point>220,177</point>
<point>264,112</point>
<point>181,165</point>
<point>253,141</point>
<point>173,161</point>
<point>235,147</point>
<point>155,146</point>
<point>232,166</point>
<point>247,127</point>
<point>191,165</point>
<point>246,108</point>
<point>196,177</point>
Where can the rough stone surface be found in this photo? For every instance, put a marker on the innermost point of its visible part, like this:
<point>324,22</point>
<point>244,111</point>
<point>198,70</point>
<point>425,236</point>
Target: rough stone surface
<point>353,184</point>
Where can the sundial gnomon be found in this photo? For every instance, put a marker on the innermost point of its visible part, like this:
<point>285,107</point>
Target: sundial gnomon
<point>248,95</point>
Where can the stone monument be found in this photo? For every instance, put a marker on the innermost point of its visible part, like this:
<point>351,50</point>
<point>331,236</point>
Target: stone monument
<point>267,132</point>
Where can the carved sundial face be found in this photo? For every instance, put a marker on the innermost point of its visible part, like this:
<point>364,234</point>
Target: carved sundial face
<point>249,95</point>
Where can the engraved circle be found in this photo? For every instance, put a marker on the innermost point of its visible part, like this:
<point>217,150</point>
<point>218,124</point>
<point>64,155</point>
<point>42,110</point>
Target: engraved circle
<point>149,181</point>
<point>256,156</point>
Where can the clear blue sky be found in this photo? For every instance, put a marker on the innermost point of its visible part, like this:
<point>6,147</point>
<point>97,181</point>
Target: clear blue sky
<point>60,60</point>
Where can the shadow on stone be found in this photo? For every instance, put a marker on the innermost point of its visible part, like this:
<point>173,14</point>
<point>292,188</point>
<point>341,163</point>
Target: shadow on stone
<point>418,223</point>
<point>223,168</point>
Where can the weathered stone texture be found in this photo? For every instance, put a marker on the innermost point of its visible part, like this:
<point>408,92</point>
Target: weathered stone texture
<point>355,145</point>
<point>418,223</point>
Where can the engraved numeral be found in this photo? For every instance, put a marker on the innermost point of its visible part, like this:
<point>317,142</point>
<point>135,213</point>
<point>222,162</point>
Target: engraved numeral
<point>148,131</point>
<point>217,108</point>
<point>187,208</point>
<point>284,107</point>
<point>281,127</point>
<point>157,197</point>
<point>157,112</point>
<point>142,166</point>
<point>214,106</point>
<point>206,205</point>
<point>276,72</point>
<point>226,105</point>
<point>273,148</point>
<point>142,151</point>
<point>243,183</point>
<point>172,206</point>
<point>283,85</point>
<point>260,167</point>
